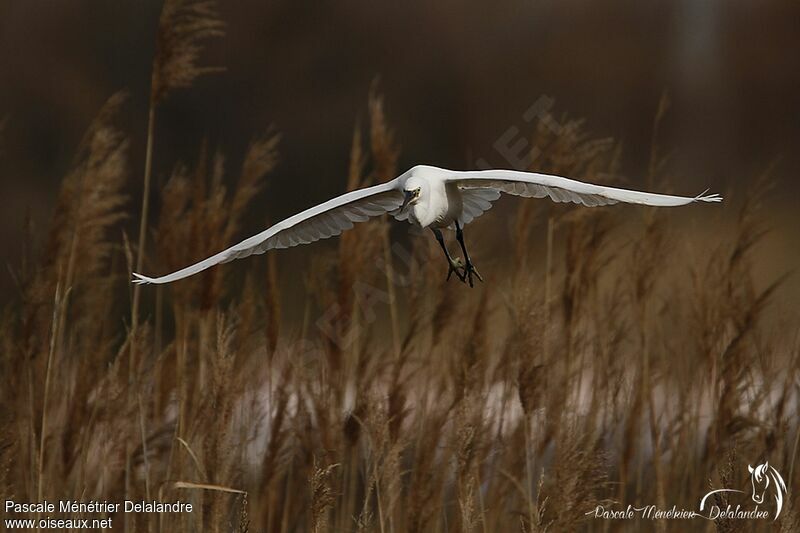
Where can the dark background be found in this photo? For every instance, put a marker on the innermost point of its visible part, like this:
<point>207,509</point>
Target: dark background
<point>455,76</point>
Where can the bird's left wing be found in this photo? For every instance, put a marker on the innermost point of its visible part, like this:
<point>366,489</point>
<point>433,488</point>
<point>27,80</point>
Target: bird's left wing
<point>319,222</point>
<point>534,185</point>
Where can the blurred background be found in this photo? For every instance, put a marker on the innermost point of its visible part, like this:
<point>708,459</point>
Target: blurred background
<point>613,355</point>
<point>456,77</point>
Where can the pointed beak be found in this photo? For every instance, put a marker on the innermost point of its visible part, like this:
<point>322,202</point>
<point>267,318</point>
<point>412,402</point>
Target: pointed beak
<point>406,200</point>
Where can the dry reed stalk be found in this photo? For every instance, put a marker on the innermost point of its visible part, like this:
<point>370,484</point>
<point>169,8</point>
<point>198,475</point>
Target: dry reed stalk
<point>88,205</point>
<point>143,434</point>
<point>7,446</point>
<point>548,283</point>
<point>578,477</point>
<point>645,271</point>
<point>466,457</point>
<point>43,427</point>
<point>273,297</point>
<point>148,163</point>
<point>183,26</point>
<point>385,153</point>
<point>649,261</point>
<point>216,216</point>
<point>275,448</point>
<point>530,450</point>
<point>425,485</point>
<point>729,310</point>
<point>217,406</point>
<point>322,496</point>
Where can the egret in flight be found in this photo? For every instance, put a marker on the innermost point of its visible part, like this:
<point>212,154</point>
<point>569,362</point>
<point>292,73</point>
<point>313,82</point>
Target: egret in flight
<point>429,197</point>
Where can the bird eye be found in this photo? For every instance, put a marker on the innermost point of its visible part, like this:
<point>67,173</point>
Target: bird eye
<point>416,191</point>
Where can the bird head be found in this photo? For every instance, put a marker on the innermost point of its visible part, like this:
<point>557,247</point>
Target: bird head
<point>412,191</point>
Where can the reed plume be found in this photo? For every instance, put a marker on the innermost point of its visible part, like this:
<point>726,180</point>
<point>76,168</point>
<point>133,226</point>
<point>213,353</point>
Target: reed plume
<point>184,25</point>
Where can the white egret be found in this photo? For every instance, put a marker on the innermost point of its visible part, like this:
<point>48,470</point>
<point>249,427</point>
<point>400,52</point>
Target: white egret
<point>428,197</point>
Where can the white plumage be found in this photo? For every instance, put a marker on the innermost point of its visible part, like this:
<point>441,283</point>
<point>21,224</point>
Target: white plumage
<point>429,197</point>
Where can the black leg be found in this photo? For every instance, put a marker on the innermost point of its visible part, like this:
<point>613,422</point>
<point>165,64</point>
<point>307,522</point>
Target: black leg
<point>469,268</point>
<point>455,264</point>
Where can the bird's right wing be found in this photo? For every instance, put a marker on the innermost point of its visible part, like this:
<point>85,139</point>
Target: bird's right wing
<point>319,222</point>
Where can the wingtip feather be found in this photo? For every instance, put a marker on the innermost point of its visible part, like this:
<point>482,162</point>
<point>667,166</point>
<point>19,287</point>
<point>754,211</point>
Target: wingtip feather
<point>703,197</point>
<point>138,279</point>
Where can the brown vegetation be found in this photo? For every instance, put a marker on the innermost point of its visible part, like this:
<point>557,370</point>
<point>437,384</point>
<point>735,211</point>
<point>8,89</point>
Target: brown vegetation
<point>618,358</point>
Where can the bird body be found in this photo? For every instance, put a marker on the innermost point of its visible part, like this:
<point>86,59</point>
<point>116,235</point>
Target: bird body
<point>439,206</point>
<point>429,197</point>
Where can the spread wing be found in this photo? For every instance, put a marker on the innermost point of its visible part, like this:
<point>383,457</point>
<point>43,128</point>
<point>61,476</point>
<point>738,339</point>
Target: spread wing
<point>533,185</point>
<point>319,222</point>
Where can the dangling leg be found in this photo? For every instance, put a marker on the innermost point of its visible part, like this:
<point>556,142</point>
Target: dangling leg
<point>469,268</point>
<point>455,264</point>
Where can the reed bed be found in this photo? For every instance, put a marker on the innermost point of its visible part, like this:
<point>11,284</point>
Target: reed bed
<point>615,355</point>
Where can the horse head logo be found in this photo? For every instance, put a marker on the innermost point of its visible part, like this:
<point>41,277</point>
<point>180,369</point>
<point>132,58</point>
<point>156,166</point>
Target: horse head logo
<point>764,478</point>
